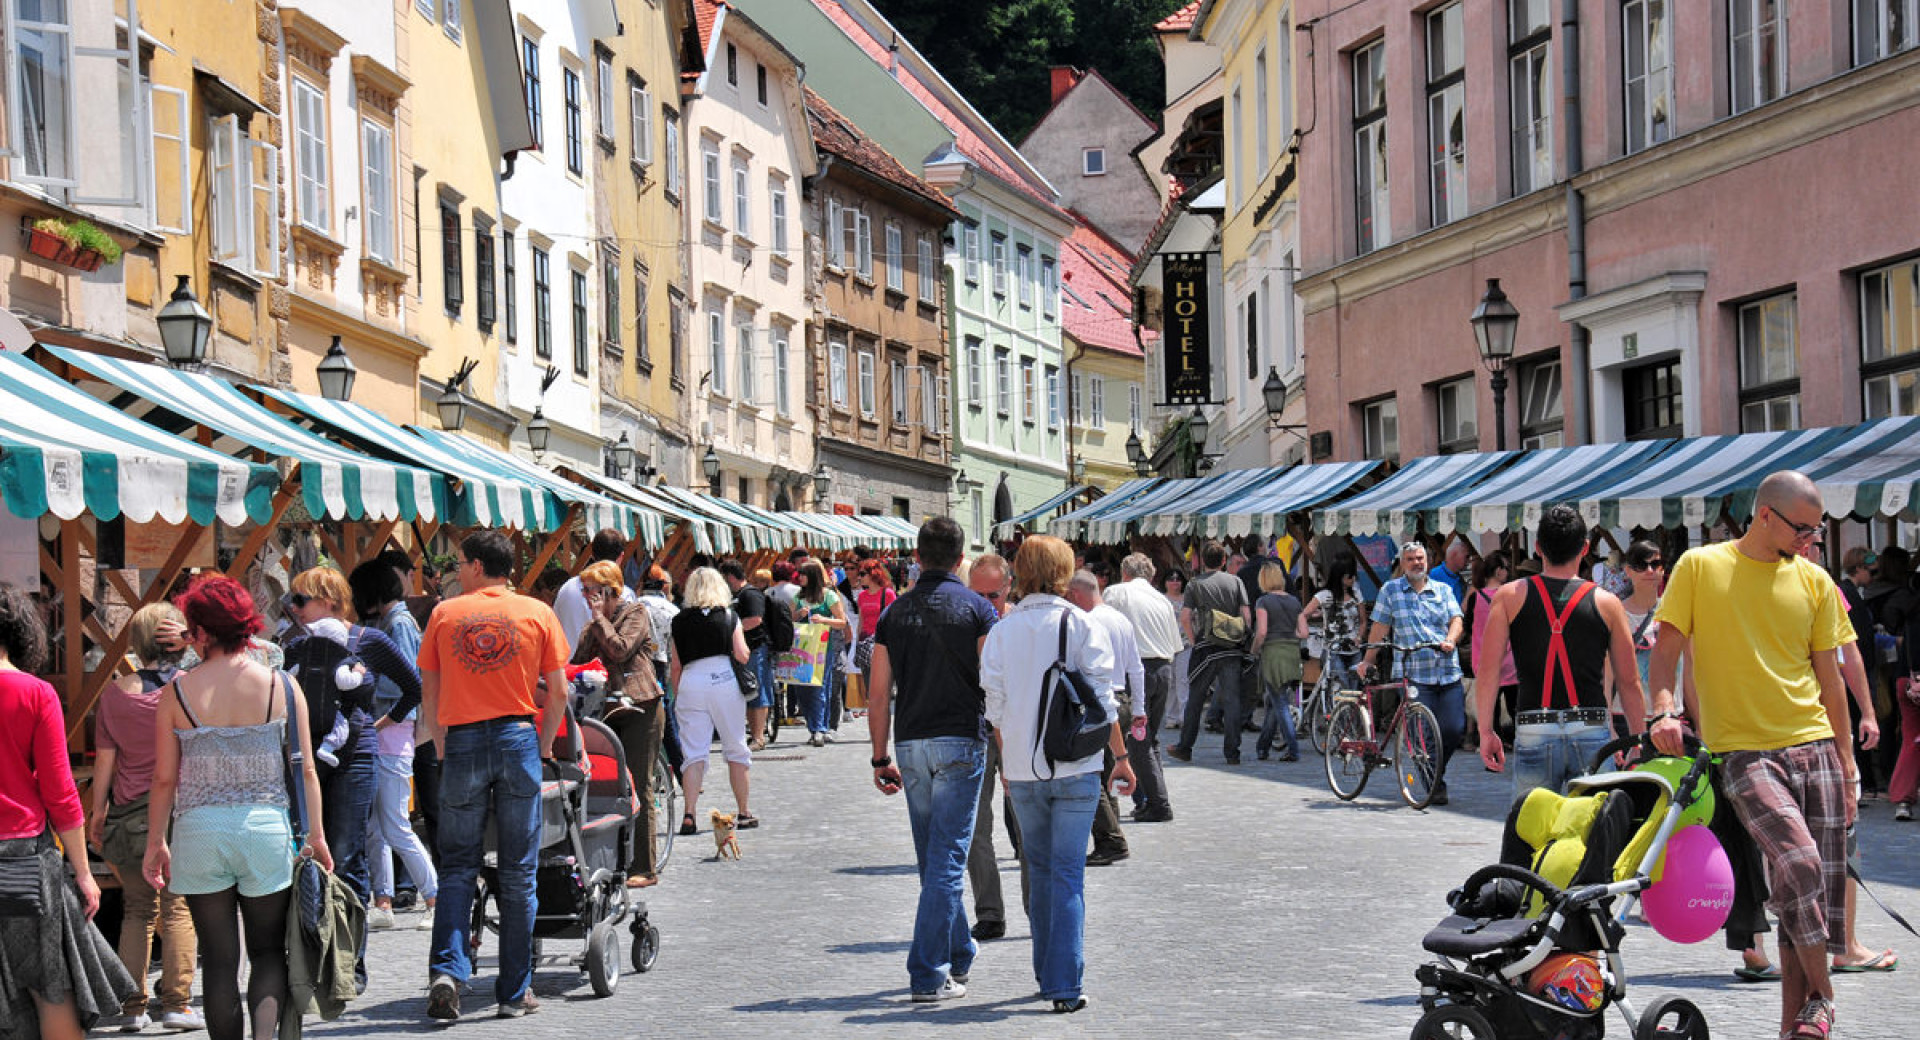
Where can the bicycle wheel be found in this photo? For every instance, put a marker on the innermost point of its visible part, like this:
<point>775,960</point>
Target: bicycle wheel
<point>1416,755</point>
<point>1317,709</point>
<point>666,817</point>
<point>1349,752</point>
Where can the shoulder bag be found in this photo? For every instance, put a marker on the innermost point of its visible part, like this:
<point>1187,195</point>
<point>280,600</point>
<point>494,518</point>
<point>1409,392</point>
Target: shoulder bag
<point>742,673</point>
<point>309,881</point>
<point>1073,724</point>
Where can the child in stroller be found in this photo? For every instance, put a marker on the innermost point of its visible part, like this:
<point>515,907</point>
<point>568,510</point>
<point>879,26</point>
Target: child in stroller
<point>1532,948</point>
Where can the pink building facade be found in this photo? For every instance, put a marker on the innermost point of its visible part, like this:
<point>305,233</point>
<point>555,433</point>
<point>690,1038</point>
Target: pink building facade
<point>1742,201</point>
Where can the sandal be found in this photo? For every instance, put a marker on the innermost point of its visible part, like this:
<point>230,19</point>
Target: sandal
<point>687,826</point>
<point>642,881</point>
<point>1815,1021</point>
<point>1764,973</point>
<point>1885,960</point>
<point>745,821</point>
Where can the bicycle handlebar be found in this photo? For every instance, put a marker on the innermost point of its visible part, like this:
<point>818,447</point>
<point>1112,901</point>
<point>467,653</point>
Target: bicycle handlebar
<point>1402,649</point>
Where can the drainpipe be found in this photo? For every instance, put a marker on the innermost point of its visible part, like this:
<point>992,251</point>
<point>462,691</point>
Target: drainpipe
<point>1579,418</point>
<point>1079,351</point>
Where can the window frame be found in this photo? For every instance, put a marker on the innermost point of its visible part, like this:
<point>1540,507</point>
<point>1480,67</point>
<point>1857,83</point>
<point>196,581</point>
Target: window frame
<point>864,364</point>
<point>1642,411</point>
<point>970,255</point>
<point>782,377</point>
<point>642,314</point>
<point>1529,62</point>
<point>582,349</point>
<point>716,350</point>
<point>530,89</point>
<point>1096,402</point>
<point>1545,427</point>
<point>675,186</point>
<point>1049,287</point>
<point>1875,42</point>
<point>1029,390</point>
<point>542,303</point>
<point>997,254</point>
<point>452,258</point>
<point>1646,131</point>
<point>603,122</point>
<point>509,289</point>
<point>714,210</point>
<point>1052,386</point>
<point>1447,190</point>
<point>976,373</point>
<point>1456,414</point>
<point>1763,45</point>
<point>1002,382</point>
<point>312,172</point>
<point>572,92</point>
<point>1889,367</point>
<point>485,303</point>
<point>896,252</point>
<point>1387,425</point>
<point>897,390</point>
<point>927,270</point>
<point>1023,274</point>
<point>611,319</point>
<point>1373,213</point>
<point>742,168</point>
<point>777,216</point>
<point>639,121</point>
<point>1093,162</point>
<point>1762,392</point>
<point>746,374</point>
<point>837,374</point>
<point>387,212</point>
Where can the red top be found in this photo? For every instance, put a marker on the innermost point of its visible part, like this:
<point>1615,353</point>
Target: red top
<point>36,782</point>
<point>870,604</point>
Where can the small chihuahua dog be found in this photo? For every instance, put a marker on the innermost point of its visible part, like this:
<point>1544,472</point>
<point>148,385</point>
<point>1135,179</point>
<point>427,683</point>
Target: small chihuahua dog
<point>725,841</point>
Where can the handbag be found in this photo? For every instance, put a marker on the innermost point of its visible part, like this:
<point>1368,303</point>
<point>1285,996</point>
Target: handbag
<point>308,904</point>
<point>1073,724</point>
<point>742,674</point>
<point>1225,629</point>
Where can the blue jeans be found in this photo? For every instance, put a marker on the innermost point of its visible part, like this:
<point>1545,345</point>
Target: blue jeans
<point>1550,754</point>
<point>760,660</point>
<point>941,776</point>
<point>1279,721</point>
<point>1448,702</point>
<point>491,768</point>
<point>1056,821</point>
<point>346,803</point>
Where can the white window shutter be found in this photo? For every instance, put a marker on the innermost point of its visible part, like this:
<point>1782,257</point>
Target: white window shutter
<point>264,194</point>
<point>168,109</point>
<point>228,197</point>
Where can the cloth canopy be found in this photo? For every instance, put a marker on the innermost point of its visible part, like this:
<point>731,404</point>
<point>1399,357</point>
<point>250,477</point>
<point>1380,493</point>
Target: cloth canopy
<point>1397,504</point>
<point>699,525</point>
<point>598,510</point>
<point>64,452</point>
<point>335,482</point>
<point>1262,507</point>
<point>753,534</point>
<point>1074,524</point>
<point>1004,529</point>
<point>1875,472</point>
<point>1160,511</point>
<point>1513,498</point>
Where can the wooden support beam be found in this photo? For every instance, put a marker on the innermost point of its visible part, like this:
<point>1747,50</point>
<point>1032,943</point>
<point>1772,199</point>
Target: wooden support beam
<point>673,556</point>
<point>328,543</point>
<point>71,602</point>
<point>257,539</point>
<point>554,541</point>
<point>85,690</point>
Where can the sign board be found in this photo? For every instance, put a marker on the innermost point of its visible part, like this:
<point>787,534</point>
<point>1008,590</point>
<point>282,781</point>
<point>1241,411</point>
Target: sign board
<point>1186,351</point>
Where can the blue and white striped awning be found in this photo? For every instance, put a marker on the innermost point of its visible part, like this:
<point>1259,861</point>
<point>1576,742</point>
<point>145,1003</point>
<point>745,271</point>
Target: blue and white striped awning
<point>64,452</point>
<point>750,533</point>
<point>1074,524</point>
<point>599,511</point>
<point>1514,498</point>
<point>1172,516</point>
<point>1004,529</point>
<point>1874,472</point>
<point>1262,507</point>
<point>486,499</point>
<point>1397,504</point>
<point>699,525</point>
<point>335,482</point>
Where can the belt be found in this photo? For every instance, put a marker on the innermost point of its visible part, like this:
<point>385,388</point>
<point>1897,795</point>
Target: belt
<point>1156,660</point>
<point>489,722</point>
<point>1592,716</point>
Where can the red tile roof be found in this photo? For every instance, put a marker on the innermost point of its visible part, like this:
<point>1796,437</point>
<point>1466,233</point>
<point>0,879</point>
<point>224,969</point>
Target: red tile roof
<point>838,135</point>
<point>1096,302</point>
<point>705,13</point>
<point>1179,21</point>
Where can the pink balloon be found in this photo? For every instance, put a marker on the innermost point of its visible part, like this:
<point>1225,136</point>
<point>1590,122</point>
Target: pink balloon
<point>1694,893</point>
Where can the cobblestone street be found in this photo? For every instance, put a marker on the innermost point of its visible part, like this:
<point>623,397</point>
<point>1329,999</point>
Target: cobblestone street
<point>1267,908</point>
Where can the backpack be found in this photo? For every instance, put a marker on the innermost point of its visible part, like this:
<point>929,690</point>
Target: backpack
<point>1073,724</point>
<point>778,622</point>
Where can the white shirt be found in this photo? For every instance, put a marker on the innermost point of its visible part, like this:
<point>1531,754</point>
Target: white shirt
<point>575,614</point>
<point>1126,653</point>
<point>660,612</point>
<point>1020,649</point>
<point>1155,625</point>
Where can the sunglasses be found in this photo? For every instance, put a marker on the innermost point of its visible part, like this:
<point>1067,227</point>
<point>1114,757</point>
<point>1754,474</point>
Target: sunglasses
<point>993,596</point>
<point>1651,565</point>
<point>1800,531</point>
<point>299,600</point>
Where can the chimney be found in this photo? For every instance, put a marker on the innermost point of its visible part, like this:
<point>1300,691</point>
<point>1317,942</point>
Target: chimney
<point>1065,77</point>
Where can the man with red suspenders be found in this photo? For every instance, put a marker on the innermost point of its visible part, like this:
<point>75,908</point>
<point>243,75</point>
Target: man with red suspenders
<point>1563,629</point>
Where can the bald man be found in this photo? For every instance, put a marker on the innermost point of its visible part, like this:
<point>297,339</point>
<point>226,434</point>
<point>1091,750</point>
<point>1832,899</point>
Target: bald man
<point>1762,627</point>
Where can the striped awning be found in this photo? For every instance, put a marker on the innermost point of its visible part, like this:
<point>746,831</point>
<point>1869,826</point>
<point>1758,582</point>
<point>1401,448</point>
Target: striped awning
<point>1074,524</point>
<point>1875,472</point>
<point>751,533</point>
<point>599,511</point>
<point>64,452</point>
<point>1172,516</point>
<point>486,499</point>
<point>1397,504</point>
<point>1004,529</point>
<point>697,524</point>
<point>1262,507</point>
<point>335,482</point>
<point>1513,498</point>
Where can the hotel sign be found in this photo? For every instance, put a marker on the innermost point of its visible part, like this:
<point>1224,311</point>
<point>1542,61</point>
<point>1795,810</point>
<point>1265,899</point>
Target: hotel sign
<point>1189,362</point>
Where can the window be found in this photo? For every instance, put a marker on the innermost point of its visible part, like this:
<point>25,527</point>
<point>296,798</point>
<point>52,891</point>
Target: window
<point>760,82</point>
<point>733,65</point>
<point>743,346</point>
<point>897,388</point>
<point>1541,416</point>
<point>450,18</point>
<point>483,290</point>
<point>971,255</point>
<point>777,207</point>
<point>570,84</point>
<point>1770,365</point>
<point>710,177</point>
<point>1530,93</point>
<point>310,154</point>
<point>582,358</point>
<point>676,338</point>
<point>1454,408</point>
<point>451,274</point>
<point>1446,115</point>
<point>1236,143</point>
<point>542,305</point>
<point>742,202</point>
<point>1134,410</point>
<point>244,196</point>
<point>782,378</point>
<point>1883,27</point>
<point>1093,162</point>
<point>976,376</point>
<point>1029,390</point>
<point>837,375</point>
<point>1054,408</point>
<point>610,319</point>
<point>1380,429</point>
<point>1002,383</point>
<point>40,63</point>
<point>979,516</point>
<point>1049,286</point>
<point>376,189</point>
<point>1890,340</point>
<point>927,272</point>
<point>856,240</point>
<point>640,116</point>
<point>1371,216</point>
<point>171,128</point>
<point>868,406</point>
<point>642,352</point>
<point>1648,71</point>
<point>1077,400</point>
<point>1653,400</point>
<point>999,265</point>
<point>717,349</point>
<point>1261,146</point>
<point>603,96</point>
<point>896,258</point>
<point>1096,403</point>
<point>509,271</point>
<point>1023,275</point>
<point>1757,50</point>
<point>933,403</point>
<point>673,153</point>
<point>530,85</point>
<point>427,8</point>
<point>1249,315</point>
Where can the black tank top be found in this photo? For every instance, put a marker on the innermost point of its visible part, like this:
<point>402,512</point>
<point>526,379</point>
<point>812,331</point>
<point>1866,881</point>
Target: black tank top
<point>1584,634</point>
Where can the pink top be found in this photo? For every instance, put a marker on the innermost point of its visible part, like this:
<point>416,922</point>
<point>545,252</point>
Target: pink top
<point>36,782</point>
<point>124,725</point>
<point>869,605</point>
<point>1509,675</point>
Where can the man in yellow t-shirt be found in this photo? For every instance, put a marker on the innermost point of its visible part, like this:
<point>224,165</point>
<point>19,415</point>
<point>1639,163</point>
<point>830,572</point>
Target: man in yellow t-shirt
<point>1763,626</point>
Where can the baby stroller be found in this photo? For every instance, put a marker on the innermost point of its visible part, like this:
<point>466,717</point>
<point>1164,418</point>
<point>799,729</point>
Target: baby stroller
<point>586,836</point>
<point>1531,957</point>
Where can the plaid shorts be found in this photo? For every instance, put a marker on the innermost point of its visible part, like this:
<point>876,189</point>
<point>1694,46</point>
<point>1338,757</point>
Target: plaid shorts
<point>1793,802</point>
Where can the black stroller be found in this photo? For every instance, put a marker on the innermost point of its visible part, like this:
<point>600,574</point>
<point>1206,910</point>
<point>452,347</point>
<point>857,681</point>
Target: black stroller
<point>1523,958</point>
<point>587,829</point>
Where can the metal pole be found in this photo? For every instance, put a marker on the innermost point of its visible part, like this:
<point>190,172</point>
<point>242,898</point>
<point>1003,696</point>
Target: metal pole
<point>1500,409</point>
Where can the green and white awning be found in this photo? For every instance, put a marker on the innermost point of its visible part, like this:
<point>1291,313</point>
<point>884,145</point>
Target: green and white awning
<point>1514,498</point>
<point>1004,529</point>
<point>750,533</point>
<point>64,452</point>
<point>1262,508</point>
<point>1169,517</point>
<point>1074,524</point>
<point>336,483</point>
<point>598,511</point>
<point>614,487</point>
<point>1874,472</point>
<point>1399,503</point>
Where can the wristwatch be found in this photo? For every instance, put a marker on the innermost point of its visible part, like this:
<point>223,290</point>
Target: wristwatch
<point>882,762</point>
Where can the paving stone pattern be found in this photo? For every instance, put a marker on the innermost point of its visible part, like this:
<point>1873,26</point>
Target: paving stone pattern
<point>1266,909</point>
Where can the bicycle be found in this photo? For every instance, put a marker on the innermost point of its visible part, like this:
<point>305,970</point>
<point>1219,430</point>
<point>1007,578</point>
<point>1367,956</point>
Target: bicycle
<point>1316,705</point>
<point>664,789</point>
<point>1354,747</point>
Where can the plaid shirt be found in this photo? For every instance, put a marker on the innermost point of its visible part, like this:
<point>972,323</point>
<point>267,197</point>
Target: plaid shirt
<point>1420,617</point>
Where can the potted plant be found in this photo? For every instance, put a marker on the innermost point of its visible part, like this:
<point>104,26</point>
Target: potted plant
<point>52,239</point>
<point>96,247</point>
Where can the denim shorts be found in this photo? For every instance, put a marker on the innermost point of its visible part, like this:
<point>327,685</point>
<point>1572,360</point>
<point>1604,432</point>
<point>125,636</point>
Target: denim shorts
<point>217,847</point>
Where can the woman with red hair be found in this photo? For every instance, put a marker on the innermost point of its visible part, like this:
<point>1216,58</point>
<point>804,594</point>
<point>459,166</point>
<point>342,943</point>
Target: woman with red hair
<point>220,785</point>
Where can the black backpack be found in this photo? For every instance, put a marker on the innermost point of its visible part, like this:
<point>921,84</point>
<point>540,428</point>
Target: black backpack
<point>1073,724</point>
<point>779,625</point>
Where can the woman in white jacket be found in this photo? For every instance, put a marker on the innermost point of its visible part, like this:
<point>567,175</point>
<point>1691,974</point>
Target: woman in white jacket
<point>1055,804</point>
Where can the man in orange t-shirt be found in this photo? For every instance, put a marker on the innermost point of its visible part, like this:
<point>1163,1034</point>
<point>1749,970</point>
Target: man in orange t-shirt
<point>486,650</point>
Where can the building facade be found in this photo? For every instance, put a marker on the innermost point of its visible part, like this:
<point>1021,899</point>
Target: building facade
<point>1667,282</point>
<point>1106,356</point>
<point>878,346</point>
<point>1085,146</point>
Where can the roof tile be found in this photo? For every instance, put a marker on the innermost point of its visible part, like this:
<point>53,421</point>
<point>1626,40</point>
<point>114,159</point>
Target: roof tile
<point>837,134</point>
<point>1179,21</point>
<point>1097,302</point>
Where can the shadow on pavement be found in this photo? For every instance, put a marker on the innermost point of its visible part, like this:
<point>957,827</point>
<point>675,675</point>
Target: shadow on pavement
<point>871,947</point>
<point>880,870</point>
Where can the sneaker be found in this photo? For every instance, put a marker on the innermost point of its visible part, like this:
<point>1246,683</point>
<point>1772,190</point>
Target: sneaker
<point>521,1008</point>
<point>949,990</point>
<point>1903,812</point>
<point>985,930</point>
<point>817,740</point>
<point>1069,1006</point>
<point>135,1023</point>
<point>425,924</point>
<point>960,978</point>
<point>1106,857</point>
<point>185,1020</point>
<point>443,999</point>
<point>379,919</point>
<point>1179,754</point>
<point>1153,816</point>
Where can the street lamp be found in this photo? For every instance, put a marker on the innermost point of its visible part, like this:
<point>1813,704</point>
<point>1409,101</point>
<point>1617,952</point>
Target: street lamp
<point>184,327</point>
<point>452,407</point>
<point>1495,322</point>
<point>538,431</point>
<point>623,453</point>
<point>1136,451</point>
<point>1080,470</point>
<point>1274,392</point>
<point>822,481</point>
<point>710,464</point>
<point>1197,427</point>
<point>336,373</point>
